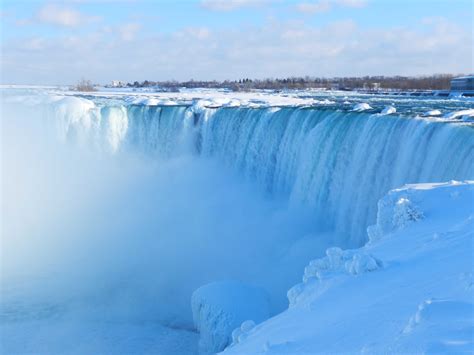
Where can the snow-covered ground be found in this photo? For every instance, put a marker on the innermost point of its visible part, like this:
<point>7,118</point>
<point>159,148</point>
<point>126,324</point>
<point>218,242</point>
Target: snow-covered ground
<point>409,290</point>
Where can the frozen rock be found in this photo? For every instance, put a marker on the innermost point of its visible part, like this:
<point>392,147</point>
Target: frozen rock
<point>395,212</point>
<point>460,114</point>
<point>432,113</point>
<point>388,110</point>
<point>220,307</point>
<point>361,107</point>
<point>336,262</point>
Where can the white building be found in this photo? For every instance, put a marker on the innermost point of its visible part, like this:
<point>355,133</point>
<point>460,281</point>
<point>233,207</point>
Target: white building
<point>117,84</point>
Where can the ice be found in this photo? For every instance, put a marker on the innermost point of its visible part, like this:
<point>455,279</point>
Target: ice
<point>337,262</point>
<point>462,114</point>
<point>361,107</point>
<point>388,110</point>
<point>432,113</point>
<point>218,308</point>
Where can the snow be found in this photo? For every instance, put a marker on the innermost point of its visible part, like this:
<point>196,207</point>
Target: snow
<point>412,293</point>
<point>460,114</point>
<point>219,307</point>
<point>388,110</point>
<point>432,113</point>
<point>361,107</point>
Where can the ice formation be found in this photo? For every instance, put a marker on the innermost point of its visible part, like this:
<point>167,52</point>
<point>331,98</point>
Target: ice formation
<point>219,307</point>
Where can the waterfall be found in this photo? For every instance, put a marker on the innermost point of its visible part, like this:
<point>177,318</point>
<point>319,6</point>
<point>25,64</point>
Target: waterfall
<point>338,163</point>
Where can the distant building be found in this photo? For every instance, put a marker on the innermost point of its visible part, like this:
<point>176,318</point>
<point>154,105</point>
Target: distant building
<point>463,83</point>
<point>117,84</point>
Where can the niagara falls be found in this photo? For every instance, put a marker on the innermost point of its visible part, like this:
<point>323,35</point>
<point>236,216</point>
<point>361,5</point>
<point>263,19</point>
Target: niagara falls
<point>266,177</point>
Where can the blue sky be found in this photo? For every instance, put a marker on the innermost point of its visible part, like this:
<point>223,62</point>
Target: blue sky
<point>58,42</point>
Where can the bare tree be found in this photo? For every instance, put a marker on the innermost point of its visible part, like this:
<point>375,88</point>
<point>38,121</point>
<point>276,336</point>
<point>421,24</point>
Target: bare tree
<point>84,85</point>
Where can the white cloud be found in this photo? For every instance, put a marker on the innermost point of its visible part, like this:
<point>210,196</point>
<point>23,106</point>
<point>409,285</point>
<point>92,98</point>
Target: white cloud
<point>319,6</point>
<point>53,14</point>
<point>352,3</point>
<point>276,49</point>
<point>200,33</point>
<point>230,5</point>
<point>128,31</point>
<point>314,7</point>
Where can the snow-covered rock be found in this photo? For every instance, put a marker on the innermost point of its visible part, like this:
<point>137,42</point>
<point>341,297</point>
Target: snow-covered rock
<point>462,114</point>
<point>337,262</point>
<point>361,107</point>
<point>432,113</point>
<point>395,211</point>
<point>220,307</point>
<point>388,110</point>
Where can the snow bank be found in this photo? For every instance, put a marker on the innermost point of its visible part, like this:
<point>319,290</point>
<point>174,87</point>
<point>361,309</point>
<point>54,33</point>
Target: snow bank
<point>411,203</point>
<point>220,307</point>
<point>420,301</point>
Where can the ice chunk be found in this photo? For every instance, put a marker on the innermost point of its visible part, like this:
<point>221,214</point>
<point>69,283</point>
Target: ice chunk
<point>460,114</point>
<point>432,113</point>
<point>388,110</point>
<point>219,307</point>
<point>361,107</point>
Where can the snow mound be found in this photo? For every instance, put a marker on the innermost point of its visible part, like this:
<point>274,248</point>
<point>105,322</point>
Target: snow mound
<point>449,325</point>
<point>395,212</point>
<point>240,334</point>
<point>220,307</point>
<point>361,107</point>
<point>463,114</point>
<point>400,208</point>
<point>336,262</point>
<point>432,113</point>
<point>388,110</point>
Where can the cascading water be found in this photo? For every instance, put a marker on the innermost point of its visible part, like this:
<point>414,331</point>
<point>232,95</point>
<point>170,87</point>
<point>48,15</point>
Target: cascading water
<point>338,163</point>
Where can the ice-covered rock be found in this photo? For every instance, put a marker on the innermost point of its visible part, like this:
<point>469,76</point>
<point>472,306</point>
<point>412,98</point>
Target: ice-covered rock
<point>361,107</point>
<point>432,113</point>
<point>336,262</point>
<point>462,114</point>
<point>395,211</point>
<point>220,307</point>
<point>240,334</point>
<point>388,110</point>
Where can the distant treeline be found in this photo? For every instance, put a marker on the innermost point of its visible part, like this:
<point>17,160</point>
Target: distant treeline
<point>432,82</point>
